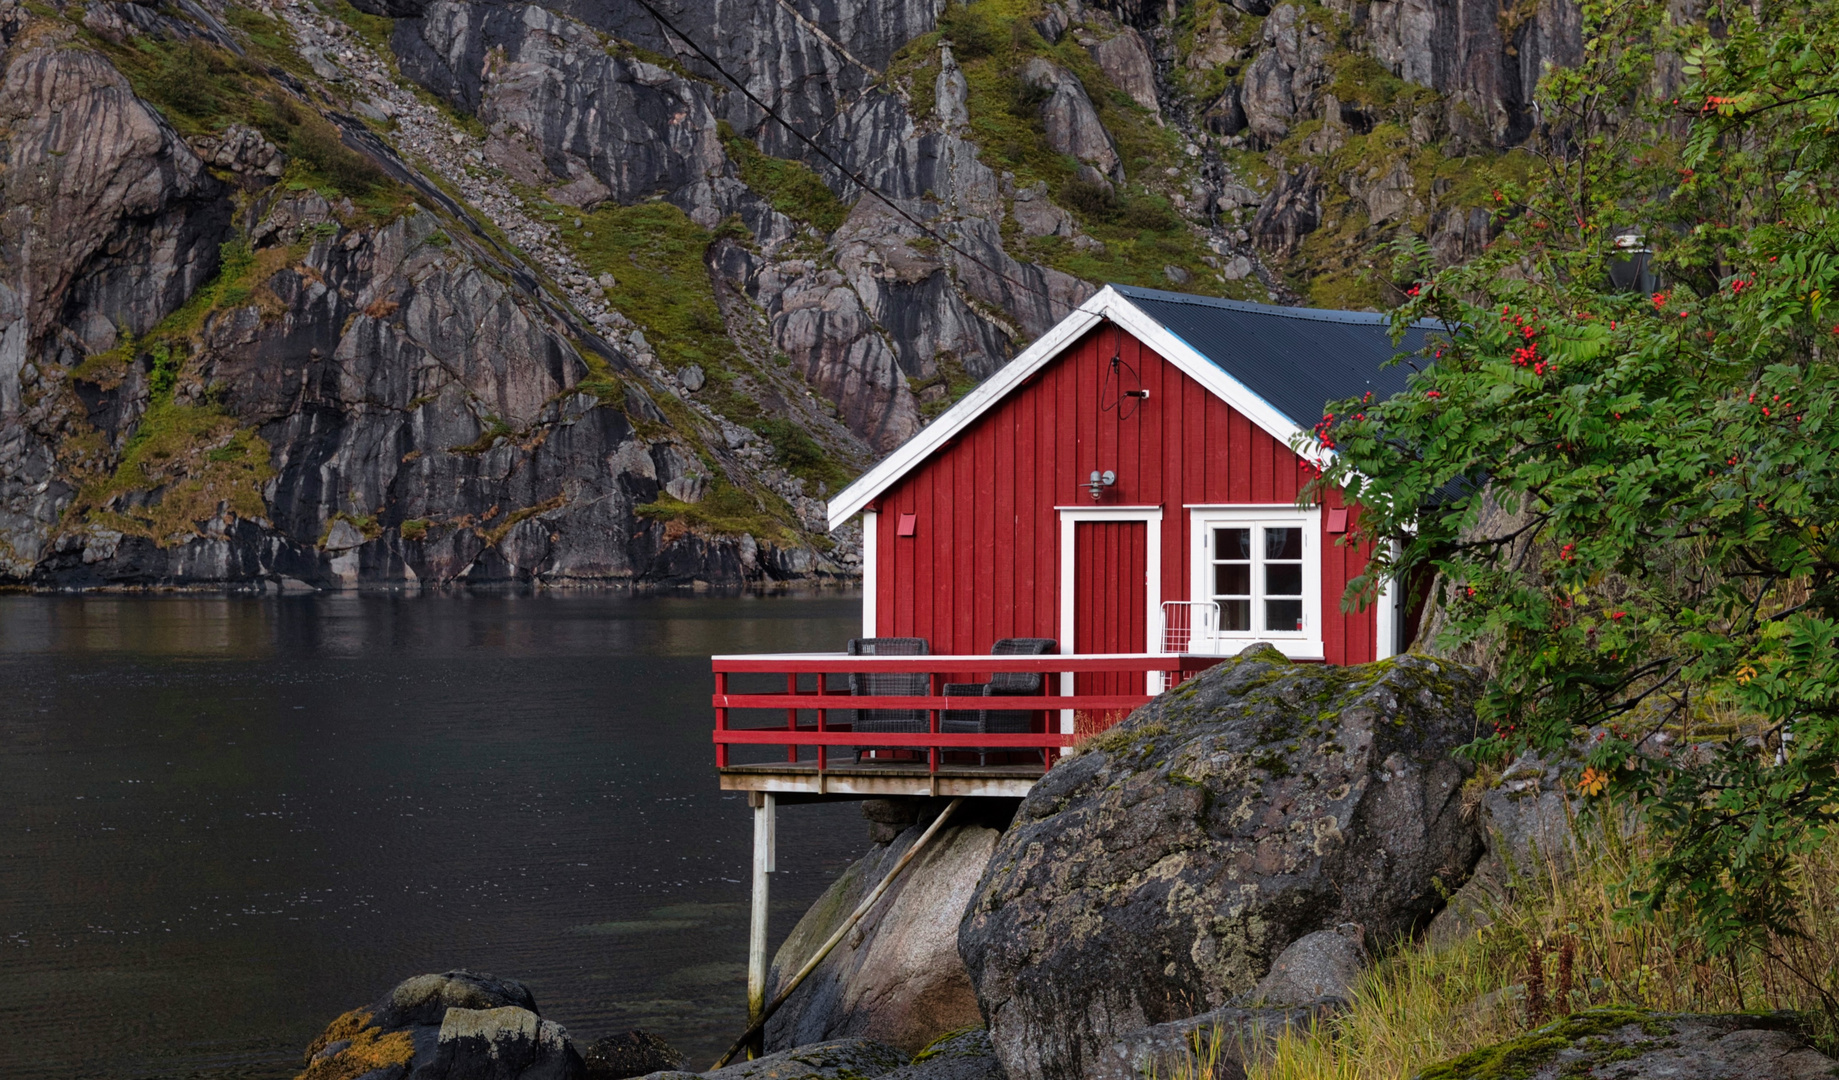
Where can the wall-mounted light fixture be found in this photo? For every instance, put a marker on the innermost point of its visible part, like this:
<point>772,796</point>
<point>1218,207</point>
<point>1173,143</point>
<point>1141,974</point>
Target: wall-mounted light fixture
<point>1099,482</point>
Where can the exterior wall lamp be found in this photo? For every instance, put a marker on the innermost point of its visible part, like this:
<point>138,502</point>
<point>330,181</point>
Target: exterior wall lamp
<point>1099,482</point>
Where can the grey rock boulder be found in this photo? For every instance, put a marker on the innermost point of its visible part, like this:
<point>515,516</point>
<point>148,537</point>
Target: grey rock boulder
<point>1037,215</point>
<point>1168,867</point>
<point>897,976</point>
<point>1527,825</point>
<point>393,9</point>
<point>1322,966</point>
<point>957,1055</point>
<point>457,1025</point>
<point>506,1043</point>
<point>425,999</point>
<point>1231,1038</point>
<point>1635,1045</point>
<point>632,1053</point>
<point>837,1059</point>
<point>1124,58</point>
<point>1290,212</point>
<point>1071,123</point>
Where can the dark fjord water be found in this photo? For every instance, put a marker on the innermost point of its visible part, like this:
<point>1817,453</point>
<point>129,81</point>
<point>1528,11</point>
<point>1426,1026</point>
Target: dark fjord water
<point>224,821</point>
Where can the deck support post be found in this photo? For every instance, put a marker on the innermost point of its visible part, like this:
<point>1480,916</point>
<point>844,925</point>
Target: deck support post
<point>763,864</point>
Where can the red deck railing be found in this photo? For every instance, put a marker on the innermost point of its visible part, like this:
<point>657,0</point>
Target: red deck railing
<point>806,711</point>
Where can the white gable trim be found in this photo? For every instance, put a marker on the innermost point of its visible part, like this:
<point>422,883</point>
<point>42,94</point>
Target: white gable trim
<point>1107,303</point>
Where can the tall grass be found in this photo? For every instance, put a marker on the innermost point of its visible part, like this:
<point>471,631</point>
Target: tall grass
<point>1557,945</point>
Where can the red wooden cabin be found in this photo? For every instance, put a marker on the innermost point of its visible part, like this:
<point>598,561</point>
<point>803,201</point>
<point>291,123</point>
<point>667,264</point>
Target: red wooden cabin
<point>1127,486</point>
<point>1193,415</point>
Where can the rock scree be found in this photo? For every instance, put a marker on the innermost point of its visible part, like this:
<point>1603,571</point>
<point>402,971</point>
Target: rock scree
<point>1158,874</point>
<point>458,1025</point>
<point>1631,1044</point>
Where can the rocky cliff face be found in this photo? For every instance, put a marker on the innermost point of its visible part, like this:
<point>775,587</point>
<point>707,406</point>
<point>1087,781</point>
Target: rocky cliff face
<point>456,291</point>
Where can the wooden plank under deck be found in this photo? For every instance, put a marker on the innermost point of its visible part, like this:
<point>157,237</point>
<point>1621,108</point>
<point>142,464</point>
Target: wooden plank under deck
<point>880,780</point>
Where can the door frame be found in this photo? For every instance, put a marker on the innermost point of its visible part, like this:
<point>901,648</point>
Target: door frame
<point>1070,518</point>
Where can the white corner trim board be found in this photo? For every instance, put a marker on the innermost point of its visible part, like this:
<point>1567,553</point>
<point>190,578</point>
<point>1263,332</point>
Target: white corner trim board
<point>870,544</point>
<point>1105,304</point>
<point>1386,614</point>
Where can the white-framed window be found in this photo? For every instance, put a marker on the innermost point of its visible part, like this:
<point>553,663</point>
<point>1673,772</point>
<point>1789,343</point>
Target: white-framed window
<point>1260,569</point>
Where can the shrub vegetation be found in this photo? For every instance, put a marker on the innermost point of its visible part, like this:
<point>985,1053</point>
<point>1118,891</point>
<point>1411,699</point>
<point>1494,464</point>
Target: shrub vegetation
<point>1628,498</point>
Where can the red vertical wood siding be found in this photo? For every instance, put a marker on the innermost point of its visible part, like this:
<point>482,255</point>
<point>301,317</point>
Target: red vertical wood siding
<point>985,561</point>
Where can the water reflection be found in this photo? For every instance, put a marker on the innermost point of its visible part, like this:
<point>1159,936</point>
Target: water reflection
<point>228,819</point>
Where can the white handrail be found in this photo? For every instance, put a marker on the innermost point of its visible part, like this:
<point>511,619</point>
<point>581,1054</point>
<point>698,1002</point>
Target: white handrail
<point>1186,622</point>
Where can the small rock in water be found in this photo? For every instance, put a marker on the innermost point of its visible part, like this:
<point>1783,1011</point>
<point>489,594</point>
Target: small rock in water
<point>635,1053</point>
<point>458,1025</point>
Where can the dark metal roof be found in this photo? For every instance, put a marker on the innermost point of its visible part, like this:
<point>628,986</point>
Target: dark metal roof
<point>1298,359</point>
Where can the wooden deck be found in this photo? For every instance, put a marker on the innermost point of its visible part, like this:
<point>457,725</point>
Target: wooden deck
<point>881,779</point>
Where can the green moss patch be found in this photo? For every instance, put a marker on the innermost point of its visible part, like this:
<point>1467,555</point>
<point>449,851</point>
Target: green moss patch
<point>724,510</point>
<point>795,451</point>
<point>655,254</point>
<point>791,187</point>
<point>1585,1031</point>
<point>197,459</point>
<point>202,89</point>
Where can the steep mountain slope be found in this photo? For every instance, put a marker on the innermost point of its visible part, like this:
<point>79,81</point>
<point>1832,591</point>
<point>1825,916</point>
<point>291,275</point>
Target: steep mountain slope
<point>467,291</point>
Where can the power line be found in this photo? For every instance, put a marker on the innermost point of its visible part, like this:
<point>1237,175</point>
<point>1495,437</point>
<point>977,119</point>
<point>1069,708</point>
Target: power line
<point>839,166</point>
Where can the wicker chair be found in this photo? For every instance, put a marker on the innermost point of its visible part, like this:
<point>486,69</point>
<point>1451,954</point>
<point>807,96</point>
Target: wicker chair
<point>1001,684</point>
<point>889,684</point>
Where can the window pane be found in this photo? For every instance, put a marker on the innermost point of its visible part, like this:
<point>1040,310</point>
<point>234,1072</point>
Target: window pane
<point>1283,615</point>
<point>1235,614</point>
<point>1232,543</point>
<point>1232,579</point>
<point>1283,543</point>
<point>1283,579</point>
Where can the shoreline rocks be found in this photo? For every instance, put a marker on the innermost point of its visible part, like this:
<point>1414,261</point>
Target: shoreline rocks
<point>458,1025</point>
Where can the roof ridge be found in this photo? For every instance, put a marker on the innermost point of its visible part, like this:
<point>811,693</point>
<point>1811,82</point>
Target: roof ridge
<point>1280,311</point>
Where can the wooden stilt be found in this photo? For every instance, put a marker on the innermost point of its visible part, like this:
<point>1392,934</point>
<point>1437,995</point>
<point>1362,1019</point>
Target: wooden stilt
<point>763,844</point>
<point>755,1028</point>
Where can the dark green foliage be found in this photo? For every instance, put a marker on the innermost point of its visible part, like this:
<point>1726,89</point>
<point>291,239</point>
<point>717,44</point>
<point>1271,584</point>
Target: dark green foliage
<point>321,149</point>
<point>795,451</point>
<point>1668,464</point>
<point>203,89</point>
<point>1088,199</point>
<point>165,371</point>
<point>975,30</point>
